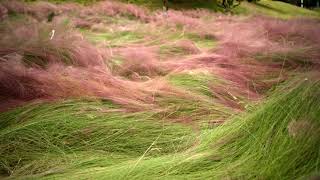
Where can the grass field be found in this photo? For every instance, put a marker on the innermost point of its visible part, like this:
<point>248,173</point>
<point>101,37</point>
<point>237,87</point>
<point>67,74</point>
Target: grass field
<point>125,91</point>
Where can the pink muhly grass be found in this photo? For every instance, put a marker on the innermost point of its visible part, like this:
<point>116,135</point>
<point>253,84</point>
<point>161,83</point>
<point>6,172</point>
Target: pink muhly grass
<point>240,39</point>
<point>91,15</point>
<point>58,81</point>
<point>40,10</point>
<point>300,30</point>
<point>197,13</point>
<point>22,84</point>
<point>69,7</point>
<point>113,8</point>
<point>16,83</point>
<point>139,63</point>
<point>3,12</point>
<point>27,53</point>
<point>188,47</point>
<point>32,41</point>
<point>87,21</point>
<point>35,67</point>
<point>83,23</point>
<point>176,18</point>
<point>84,74</point>
<point>15,6</point>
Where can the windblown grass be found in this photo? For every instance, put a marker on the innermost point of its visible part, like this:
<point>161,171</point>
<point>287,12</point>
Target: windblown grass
<point>196,82</point>
<point>157,96</point>
<point>179,49</point>
<point>298,58</point>
<point>114,39</point>
<point>282,132</point>
<point>72,128</point>
<point>33,42</point>
<point>203,42</point>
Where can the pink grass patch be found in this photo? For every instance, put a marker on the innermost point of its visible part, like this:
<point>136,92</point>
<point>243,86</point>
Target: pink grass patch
<point>188,47</point>
<point>33,42</point>
<point>3,12</point>
<point>113,8</point>
<point>35,65</point>
<point>176,18</point>
<point>139,63</point>
<point>15,6</point>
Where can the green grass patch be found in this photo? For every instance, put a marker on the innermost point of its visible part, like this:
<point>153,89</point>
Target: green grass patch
<point>275,9</point>
<point>195,110</point>
<point>198,83</point>
<point>157,4</point>
<point>115,62</point>
<point>316,10</point>
<point>202,42</point>
<point>53,136</point>
<point>200,106</point>
<point>164,35</point>
<point>114,39</point>
<point>266,7</point>
<point>277,141</point>
<point>172,50</point>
